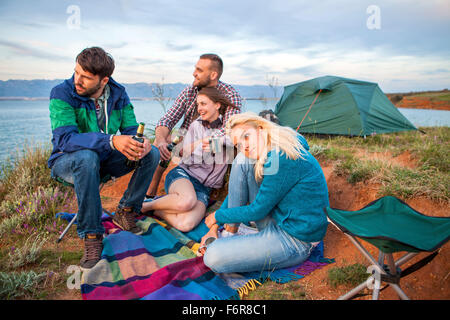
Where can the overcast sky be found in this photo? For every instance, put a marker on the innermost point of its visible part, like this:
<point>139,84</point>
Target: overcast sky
<point>402,45</point>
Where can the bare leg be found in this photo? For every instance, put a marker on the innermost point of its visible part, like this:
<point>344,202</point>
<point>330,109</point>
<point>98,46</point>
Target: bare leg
<point>180,198</point>
<point>180,207</point>
<point>184,221</point>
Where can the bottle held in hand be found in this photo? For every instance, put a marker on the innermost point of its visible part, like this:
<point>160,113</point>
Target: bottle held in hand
<point>170,146</point>
<point>138,137</point>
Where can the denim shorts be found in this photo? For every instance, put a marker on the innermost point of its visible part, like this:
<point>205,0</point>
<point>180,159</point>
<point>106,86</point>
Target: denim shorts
<point>201,191</point>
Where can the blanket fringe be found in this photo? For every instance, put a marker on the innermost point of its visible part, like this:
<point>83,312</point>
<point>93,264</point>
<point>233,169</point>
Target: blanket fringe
<point>278,276</point>
<point>164,225</point>
<point>195,248</point>
<point>248,287</point>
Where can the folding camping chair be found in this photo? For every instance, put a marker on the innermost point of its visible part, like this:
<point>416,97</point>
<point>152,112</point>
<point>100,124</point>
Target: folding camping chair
<point>103,180</point>
<point>392,226</point>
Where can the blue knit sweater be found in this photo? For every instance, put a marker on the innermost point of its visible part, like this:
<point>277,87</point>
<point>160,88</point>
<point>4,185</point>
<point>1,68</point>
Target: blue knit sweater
<point>295,197</point>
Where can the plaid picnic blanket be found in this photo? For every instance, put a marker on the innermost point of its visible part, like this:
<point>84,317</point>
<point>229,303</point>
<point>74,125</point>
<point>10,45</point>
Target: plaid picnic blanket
<point>161,264</point>
<point>154,265</point>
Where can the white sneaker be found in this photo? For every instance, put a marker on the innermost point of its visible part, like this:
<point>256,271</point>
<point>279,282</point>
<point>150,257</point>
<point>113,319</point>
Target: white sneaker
<point>225,234</point>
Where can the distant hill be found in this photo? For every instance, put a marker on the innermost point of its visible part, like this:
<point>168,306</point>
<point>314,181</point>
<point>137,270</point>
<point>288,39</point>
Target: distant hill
<point>41,89</point>
<point>27,88</point>
<point>436,100</point>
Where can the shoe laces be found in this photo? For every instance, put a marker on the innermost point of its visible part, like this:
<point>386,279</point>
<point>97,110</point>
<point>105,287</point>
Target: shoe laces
<point>129,216</point>
<point>93,248</point>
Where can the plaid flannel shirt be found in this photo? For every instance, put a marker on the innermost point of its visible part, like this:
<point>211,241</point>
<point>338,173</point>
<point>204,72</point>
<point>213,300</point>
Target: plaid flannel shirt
<point>186,105</point>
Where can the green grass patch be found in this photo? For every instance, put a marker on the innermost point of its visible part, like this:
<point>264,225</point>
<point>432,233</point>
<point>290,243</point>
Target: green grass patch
<point>52,257</point>
<point>274,291</point>
<point>348,275</point>
<point>409,183</point>
<point>356,170</point>
<point>431,152</point>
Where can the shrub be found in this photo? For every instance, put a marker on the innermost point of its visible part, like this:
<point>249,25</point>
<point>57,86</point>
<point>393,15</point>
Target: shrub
<point>352,275</point>
<point>15,284</point>
<point>26,254</point>
<point>25,217</point>
<point>27,170</point>
<point>29,197</point>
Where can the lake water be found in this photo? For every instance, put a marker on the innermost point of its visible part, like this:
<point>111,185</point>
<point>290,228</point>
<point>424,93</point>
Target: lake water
<point>23,121</point>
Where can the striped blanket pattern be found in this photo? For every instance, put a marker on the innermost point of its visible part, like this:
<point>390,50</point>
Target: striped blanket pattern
<point>154,265</point>
<point>161,264</point>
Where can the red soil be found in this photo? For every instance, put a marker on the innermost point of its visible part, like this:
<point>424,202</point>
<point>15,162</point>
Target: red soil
<point>414,102</point>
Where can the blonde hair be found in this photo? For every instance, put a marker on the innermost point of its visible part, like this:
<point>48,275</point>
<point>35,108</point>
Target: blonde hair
<point>278,138</point>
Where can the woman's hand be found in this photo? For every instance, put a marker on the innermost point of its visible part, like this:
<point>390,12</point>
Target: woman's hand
<point>210,220</point>
<point>187,149</point>
<point>205,144</point>
<point>212,233</point>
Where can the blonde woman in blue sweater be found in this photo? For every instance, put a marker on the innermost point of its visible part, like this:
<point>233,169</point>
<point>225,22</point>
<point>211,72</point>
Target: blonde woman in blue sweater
<point>278,184</point>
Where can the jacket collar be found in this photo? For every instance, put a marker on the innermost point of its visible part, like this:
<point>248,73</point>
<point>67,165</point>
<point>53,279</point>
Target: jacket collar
<point>113,85</point>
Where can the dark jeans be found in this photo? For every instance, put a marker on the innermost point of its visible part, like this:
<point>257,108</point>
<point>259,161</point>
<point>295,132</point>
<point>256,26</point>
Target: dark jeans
<point>84,170</point>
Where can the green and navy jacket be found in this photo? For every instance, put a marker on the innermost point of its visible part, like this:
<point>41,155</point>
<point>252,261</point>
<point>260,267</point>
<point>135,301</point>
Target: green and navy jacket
<point>74,121</point>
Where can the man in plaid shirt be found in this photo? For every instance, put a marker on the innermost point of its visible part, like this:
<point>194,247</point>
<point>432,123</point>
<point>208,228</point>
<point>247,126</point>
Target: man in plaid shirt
<point>206,74</point>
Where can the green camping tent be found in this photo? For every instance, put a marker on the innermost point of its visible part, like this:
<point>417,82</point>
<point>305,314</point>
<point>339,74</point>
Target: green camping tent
<point>335,105</point>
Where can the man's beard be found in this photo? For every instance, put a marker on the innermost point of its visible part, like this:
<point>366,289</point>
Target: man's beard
<point>204,83</point>
<point>91,91</point>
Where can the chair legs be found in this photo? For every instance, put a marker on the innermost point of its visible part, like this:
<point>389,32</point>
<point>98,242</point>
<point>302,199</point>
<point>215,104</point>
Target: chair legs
<point>67,228</point>
<point>76,214</point>
<point>72,222</point>
<point>379,273</point>
<point>355,290</point>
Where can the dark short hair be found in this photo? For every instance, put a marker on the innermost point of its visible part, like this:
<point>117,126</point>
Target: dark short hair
<point>217,62</point>
<point>269,115</point>
<point>96,61</point>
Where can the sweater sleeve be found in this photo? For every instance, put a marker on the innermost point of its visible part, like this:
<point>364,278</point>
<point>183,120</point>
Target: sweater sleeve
<point>275,185</point>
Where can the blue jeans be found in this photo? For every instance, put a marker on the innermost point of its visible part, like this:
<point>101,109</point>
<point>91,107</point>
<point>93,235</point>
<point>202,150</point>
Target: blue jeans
<point>84,170</point>
<point>270,248</point>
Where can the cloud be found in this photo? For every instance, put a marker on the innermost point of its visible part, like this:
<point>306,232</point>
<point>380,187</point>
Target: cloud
<point>138,61</point>
<point>308,71</point>
<point>118,45</point>
<point>178,47</point>
<point>290,39</point>
<point>29,51</point>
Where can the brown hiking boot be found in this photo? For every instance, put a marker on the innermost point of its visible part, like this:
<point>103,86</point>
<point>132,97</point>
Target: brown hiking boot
<point>124,218</point>
<point>93,247</point>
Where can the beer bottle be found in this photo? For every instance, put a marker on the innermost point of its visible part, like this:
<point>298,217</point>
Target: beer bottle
<point>138,137</point>
<point>170,146</point>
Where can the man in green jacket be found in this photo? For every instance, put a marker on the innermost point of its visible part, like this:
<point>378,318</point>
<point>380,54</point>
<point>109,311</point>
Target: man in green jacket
<point>86,112</point>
